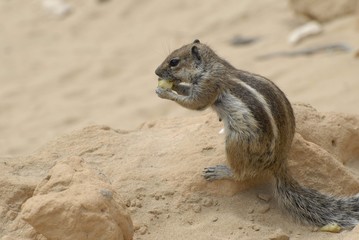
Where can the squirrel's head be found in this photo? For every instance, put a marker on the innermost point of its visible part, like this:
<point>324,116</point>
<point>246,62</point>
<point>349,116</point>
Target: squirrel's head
<point>186,64</point>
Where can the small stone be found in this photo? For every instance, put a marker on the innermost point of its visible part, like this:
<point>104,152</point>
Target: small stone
<point>155,212</point>
<point>264,197</point>
<point>143,230</point>
<point>263,209</point>
<point>104,127</point>
<point>207,202</point>
<point>140,196</point>
<point>128,203</point>
<point>169,193</point>
<point>138,204</point>
<point>314,229</point>
<point>243,40</point>
<point>279,235</point>
<point>196,208</point>
<point>215,219</point>
<point>251,210</point>
<point>136,227</point>
<point>256,228</point>
<point>194,199</point>
<point>356,54</point>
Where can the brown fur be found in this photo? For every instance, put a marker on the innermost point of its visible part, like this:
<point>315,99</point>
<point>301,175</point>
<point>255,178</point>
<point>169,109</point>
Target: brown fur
<point>259,127</point>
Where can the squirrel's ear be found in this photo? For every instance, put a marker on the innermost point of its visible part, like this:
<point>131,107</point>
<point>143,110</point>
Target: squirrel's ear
<point>196,41</point>
<point>195,54</point>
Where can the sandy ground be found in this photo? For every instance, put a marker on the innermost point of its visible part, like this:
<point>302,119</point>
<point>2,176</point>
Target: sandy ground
<point>96,66</point>
<point>157,172</point>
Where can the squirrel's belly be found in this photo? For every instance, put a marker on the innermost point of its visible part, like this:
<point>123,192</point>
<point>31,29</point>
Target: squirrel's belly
<point>236,116</point>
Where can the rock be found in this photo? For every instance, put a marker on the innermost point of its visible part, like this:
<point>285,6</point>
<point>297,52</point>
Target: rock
<point>196,208</point>
<point>309,29</point>
<point>242,40</point>
<point>264,209</point>
<point>323,11</point>
<point>57,7</point>
<point>72,203</point>
<point>356,54</point>
<point>336,133</point>
<point>279,235</point>
<point>265,197</point>
<point>207,202</point>
<point>311,165</point>
<point>15,189</point>
<point>256,228</point>
<point>143,230</point>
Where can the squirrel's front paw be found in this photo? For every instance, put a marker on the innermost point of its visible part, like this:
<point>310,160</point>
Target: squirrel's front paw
<point>163,93</point>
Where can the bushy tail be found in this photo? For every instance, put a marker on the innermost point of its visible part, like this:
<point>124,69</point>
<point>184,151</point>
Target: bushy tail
<point>311,207</point>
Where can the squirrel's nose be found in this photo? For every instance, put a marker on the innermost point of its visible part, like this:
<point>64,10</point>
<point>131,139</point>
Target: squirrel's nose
<point>158,72</point>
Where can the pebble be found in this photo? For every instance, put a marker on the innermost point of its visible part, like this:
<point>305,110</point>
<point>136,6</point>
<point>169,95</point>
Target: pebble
<point>356,54</point>
<point>194,199</point>
<point>256,228</point>
<point>215,219</point>
<point>155,212</point>
<point>143,230</point>
<point>263,209</point>
<point>207,202</point>
<point>196,208</point>
<point>57,7</point>
<point>304,31</point>
<point>279,235</point>
<point>264,197</point>
<point>243,40</point>
<point>135,203</point>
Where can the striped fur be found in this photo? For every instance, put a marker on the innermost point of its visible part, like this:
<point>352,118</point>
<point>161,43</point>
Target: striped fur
<point>259,127</point>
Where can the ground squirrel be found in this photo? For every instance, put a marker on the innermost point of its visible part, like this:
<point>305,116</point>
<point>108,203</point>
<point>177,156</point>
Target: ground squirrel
<point>259,127</point>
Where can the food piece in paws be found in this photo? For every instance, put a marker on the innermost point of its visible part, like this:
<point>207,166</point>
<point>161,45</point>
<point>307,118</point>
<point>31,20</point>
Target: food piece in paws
<point>165,84</point>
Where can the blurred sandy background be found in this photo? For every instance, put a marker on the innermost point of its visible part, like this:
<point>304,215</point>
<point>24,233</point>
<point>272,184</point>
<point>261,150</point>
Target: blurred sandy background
<point>96,65</point>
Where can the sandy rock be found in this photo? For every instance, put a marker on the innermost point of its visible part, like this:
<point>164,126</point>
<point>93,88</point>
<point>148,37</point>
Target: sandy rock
<point>164,179</point>
<point>323,10</point>
<point>15,189</point>
<point>353,234</point>
<point>311,165</point>
<point>78,203</point>
<point>337,133</point>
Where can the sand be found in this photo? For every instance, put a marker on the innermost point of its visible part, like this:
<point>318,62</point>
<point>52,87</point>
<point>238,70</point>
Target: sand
<point>96,67</point>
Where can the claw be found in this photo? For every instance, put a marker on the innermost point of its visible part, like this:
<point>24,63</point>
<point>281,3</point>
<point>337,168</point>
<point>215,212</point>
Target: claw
<point>217,172</point>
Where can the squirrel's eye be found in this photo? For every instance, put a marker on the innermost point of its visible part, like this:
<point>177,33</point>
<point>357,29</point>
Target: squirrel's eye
<point>174,62</point>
